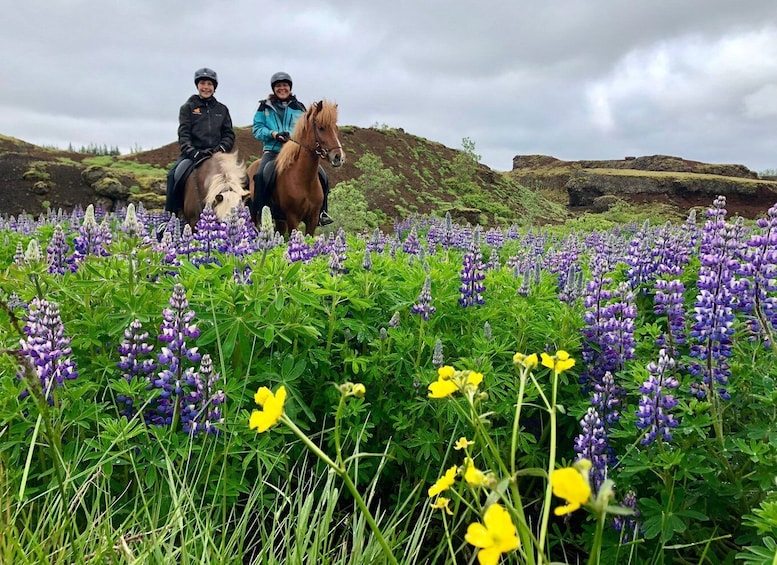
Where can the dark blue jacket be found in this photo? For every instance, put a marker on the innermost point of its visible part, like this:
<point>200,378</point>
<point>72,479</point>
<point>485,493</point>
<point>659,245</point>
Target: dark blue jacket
<point>205,124</point>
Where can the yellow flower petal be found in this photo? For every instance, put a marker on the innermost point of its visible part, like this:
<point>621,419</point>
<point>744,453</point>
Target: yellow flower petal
<point>568,483</point>
<point>474,379</point>
<point>442,503</point>
<point>272,409</point>
<point>359,390</point>
<point>463,443</point>
<point>495,536</point>
<point>261,395</point>
<point>442,389</point>
<point>474,476</point>
<point>446,372</point>
<point>443,483</point>
<point>527,361</point>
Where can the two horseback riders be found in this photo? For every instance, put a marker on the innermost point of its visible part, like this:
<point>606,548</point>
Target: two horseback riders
<point>205,128</point>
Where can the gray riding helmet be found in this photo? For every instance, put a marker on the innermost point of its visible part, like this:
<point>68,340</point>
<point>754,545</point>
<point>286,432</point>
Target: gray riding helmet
<point>280,77</point>
<point>206,73</point>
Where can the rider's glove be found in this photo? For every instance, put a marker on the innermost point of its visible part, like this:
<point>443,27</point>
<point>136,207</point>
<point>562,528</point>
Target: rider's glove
<point>282,136</point>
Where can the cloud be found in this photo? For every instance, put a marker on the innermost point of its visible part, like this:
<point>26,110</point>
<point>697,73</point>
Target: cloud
<point>596,79</point>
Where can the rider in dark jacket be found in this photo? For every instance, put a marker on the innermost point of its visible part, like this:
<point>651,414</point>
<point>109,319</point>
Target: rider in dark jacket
<point>205,128</point>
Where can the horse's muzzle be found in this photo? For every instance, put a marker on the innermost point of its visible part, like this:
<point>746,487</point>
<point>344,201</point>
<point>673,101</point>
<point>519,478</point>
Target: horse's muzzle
<point>336,157</point>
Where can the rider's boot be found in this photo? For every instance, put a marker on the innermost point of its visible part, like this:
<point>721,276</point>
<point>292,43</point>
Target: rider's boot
<point>324,219</point>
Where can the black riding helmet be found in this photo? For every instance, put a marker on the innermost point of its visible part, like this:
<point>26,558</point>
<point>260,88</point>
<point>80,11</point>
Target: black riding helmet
<point>280,77</point>
<point>206,74</point>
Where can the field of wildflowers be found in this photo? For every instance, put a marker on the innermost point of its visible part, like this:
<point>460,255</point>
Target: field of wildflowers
<point>439,394</point>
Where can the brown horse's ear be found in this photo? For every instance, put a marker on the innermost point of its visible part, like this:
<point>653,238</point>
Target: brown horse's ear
<point>319,105</point>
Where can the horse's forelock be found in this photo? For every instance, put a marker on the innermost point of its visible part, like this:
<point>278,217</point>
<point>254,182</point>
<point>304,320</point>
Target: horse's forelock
<point>327,115</point>
<point>229,177</point>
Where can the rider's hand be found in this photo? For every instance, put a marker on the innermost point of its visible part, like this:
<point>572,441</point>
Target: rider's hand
<point>282,136</point>
<point>187,149</point>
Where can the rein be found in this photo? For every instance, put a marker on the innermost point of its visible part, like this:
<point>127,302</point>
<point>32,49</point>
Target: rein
<point>320,150</point>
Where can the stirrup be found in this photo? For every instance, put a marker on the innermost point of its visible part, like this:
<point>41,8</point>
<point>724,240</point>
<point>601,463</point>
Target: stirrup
<point>325,219</point>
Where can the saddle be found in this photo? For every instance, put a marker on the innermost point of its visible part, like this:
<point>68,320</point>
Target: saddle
<point>183,170</point>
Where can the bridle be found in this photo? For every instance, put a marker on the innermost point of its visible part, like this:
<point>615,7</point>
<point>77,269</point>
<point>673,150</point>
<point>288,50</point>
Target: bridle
<point>320,149</point>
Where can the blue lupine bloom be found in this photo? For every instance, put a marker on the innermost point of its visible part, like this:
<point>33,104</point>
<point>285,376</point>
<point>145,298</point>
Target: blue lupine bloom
<point>187,245</point>
<point>92,239</point>
<point>57,252</point>
<point>367,260</point>
<point>653,414</point>
<point>760,264</point>
<point>669,301</point>
<point>201,404</point>
<point>131,225</point>
<point>176,329</point>
<point>713,321</point>
<point>377,243</point>
<point>211,234</point>
<point>607,398</point>
<point>472,275</point>
<point>46,348</point>
<point>238,232</point>
<point>437,357</point>
<point>412,244</point>
<point>629,524</point>
<point>592,444</point>
<point>394,321</point>
<point>297,249</point>
<point>134,361</point>
<point>424,305</point>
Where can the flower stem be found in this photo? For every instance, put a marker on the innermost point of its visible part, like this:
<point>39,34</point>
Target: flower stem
<point>551,466</point>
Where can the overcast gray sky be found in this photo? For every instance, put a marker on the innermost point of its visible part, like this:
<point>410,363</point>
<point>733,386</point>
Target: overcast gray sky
<point>576,79</point>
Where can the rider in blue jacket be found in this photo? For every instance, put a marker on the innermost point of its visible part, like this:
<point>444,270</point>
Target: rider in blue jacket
<point>274,120</point>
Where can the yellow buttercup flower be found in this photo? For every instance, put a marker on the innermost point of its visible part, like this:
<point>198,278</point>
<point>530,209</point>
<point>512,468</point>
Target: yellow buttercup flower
<point>463,443</point>
<point>450,380</point>
<point>559,362</point>
<point>442,503</point>
<point>442,388</point>
<point>526,361</point>
<point>568,483</point>
<point>495,536</point>
<point>473,475</point>
<point>272,409</point>
<point>359,390</point>
<point>444,483</point>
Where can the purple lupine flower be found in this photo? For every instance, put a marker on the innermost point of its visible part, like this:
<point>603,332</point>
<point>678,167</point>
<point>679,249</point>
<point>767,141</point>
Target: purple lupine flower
<point>759,262</point>
<point>47,348</point>
<point>134,361</point>
<point>267,238</point>
<point>201,404</point>
<point>367,260</point>
<point>628,524</point>
<point>424,305</point>
<point>653,413</point>
<point>607,398</point>
<point>412,244</point>
<point>394,321</point>
<point>718,287</point>
<point>210,233</point>
<point>377,243</point>
<point>175,329</point>
<point>238,232</point>
<point>472,275</point>
<point>188,246</point>
<point>433,238</point>
<point>669,302</point>
<point>592,444</point>
<point>495,238</point>
<point>297,249</point>
<point>243,276</point>
<point>57,252</point>
<point>338,254</point>
<point>92,239</point>
<point>18,256</point>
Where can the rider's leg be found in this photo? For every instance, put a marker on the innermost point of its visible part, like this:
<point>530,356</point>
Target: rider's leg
<point>324,218</point>
<point>261,192</point>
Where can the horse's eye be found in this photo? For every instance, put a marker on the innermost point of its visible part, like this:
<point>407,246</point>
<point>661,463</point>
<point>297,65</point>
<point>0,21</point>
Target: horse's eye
<point>219,198</point>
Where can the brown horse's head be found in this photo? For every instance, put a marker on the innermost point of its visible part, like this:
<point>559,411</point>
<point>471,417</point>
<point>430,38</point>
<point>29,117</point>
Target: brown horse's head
<point>316,132</point>
<point>225,187</point>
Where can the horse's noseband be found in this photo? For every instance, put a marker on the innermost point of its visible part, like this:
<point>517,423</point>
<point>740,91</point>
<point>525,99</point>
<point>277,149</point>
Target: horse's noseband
<point>321,149</point>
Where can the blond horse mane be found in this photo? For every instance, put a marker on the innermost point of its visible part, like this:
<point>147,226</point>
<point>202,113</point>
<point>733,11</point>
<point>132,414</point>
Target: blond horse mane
<point>227,182</point>
<point>326,117</point>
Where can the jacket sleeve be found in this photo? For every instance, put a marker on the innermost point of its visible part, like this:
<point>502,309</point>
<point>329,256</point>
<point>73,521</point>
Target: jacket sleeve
<point>227,133</point>
<point>262,129</point>
<point>184,126</point>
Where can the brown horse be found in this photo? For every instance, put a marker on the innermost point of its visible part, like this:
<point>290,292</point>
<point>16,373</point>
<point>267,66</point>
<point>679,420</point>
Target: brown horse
<point>298,194</point>
<point>218,181</point>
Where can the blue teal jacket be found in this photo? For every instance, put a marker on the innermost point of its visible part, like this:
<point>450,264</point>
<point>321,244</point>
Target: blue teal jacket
<point>268,120</point>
